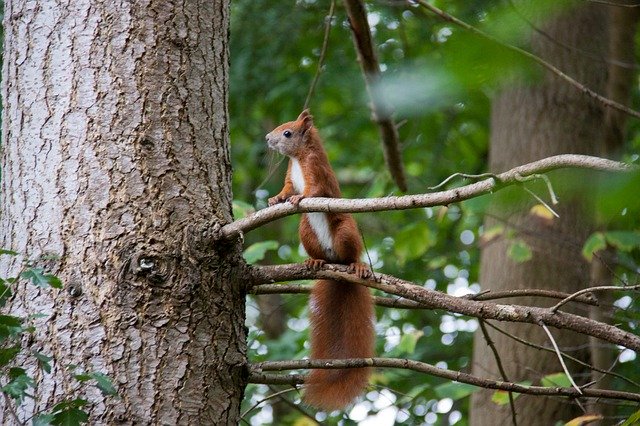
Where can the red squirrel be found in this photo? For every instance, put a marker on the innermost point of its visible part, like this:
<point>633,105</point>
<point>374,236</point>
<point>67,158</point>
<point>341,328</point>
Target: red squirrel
<point>341,313</point>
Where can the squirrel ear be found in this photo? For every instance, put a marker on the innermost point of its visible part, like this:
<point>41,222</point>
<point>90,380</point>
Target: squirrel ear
<point>307,119</point>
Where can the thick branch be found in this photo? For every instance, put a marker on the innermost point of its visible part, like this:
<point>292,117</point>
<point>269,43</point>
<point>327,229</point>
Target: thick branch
<point>436,300</point>
<point>258,369</point>
<point>441,198</point>
<point>371,70</point>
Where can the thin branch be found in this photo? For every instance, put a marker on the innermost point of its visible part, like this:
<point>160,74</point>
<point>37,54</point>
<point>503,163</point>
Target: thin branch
<point>323,52</point>
<point>581,87</point>
<point>257,370</point>
<point>591,290</point>
<point>371,71</point>
<point>437,300</point>
<point>567,356</point>
<point>493,295</point>
<point>503,373</point>
<point>557,350</point>
<point>298,408</point>
<point>441,198</point>
<point>266,398</point>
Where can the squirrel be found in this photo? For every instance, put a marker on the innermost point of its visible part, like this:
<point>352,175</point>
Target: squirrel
<point>341,313</point>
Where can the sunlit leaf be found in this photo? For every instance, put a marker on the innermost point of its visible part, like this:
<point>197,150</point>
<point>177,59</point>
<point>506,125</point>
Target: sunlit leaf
<point>520,251</point>
<point>455,390</point>
<point>623,240</point>
<point>594,243</point>
<point>257,251</point>
<point>583,420</point>
<point>556,380</point>
<point>501,397</point>
<point>408,341</point>
<point>633,420</point>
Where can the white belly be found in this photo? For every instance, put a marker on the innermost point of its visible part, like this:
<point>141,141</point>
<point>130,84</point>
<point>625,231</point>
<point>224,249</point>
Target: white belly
<point>318,221</point>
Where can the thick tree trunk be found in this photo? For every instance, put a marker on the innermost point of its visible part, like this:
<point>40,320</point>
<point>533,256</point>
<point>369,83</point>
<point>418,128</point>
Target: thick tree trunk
<point>529,123</point>
<point>116,160</point>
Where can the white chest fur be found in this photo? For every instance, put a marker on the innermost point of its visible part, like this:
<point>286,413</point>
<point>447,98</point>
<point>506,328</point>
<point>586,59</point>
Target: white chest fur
<point>318,221</point>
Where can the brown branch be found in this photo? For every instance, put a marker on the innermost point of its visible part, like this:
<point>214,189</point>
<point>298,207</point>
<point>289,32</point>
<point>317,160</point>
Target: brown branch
<point>257,370</point>
<point>371,69</point>
<point>533,292</point>
<point>590,290</point>
<point>441,198</point>
<point>581,87</point>
<point>437,300</point>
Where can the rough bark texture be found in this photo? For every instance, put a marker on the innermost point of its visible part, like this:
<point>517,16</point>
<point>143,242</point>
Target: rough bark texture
<point>115,159</point>
<point>529,123</point>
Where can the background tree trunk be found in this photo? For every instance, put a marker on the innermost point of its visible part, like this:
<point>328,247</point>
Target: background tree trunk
<point>529,123</point>
<point>116,160</point>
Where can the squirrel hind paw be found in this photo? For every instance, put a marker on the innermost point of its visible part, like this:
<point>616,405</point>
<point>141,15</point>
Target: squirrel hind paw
<point>362,270</point>
<point>315,264</point>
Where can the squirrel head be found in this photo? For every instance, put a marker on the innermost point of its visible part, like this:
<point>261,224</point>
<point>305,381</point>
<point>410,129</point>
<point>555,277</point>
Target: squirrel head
<point>290,138</point>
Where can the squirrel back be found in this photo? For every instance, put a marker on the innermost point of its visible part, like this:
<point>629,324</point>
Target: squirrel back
<point>341,312</point>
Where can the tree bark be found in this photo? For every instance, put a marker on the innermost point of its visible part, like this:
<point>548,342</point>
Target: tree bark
<point>529,123</point>
<point>116,161</point>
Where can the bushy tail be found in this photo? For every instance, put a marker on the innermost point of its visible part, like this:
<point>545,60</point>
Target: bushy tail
<point>341,327</point>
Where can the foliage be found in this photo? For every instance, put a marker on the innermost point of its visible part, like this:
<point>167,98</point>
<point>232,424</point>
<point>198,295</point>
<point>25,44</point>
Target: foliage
<point>439,80</point>
<point>16,382</point>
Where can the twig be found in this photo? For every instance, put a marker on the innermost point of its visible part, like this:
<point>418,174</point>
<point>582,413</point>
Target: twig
<point>581,87</point>
<point>257,372</point>
<point>503,373</point>
<point>441,198</point>
<point>590,290</point>
<point>323,52</point>
<point>266,398</point>
<point>371,71</point>
<point>572,358</point>
<point>564,366</point>
<point>298,408</point>
<point>437,300</point>
<point>493,295</point>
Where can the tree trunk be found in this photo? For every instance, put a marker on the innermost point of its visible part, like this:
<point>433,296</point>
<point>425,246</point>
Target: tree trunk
<point>529,123</point>
<point>116,160</point>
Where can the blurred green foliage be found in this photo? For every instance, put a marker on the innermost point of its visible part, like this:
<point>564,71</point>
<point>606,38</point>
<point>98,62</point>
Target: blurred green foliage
<point>439,80</point>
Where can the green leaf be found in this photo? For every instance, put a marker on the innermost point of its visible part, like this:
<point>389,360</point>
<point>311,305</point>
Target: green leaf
<point>40,279</point>
<point>413,241</point>
<point>70,417</point>
<point>84,377</point>
<point>556,380</point>
<point>7,354</point>
<point>455,390</point>
<point>256,252</point>
<point>9,252</point>
<point>501,397</point>
<point>594,243</point>
<point>43,419</point>
<point>17,387</point>
<point>623,240</point>
<point>44,361</point>
<point>634,419</point>
<point>520,251</point>
<point>408,341</point>
<point>103,383</point>
<point>10,321</point>
<point>5,292</point>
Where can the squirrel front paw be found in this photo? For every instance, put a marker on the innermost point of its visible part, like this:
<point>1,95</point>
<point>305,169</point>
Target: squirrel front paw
<point>315,264</point>
<point>275,200</point>
<point>362,270</point>
<point>295,199</point>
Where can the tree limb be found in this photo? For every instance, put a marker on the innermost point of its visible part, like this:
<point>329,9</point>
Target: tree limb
<point>257,369</point>
<point>441,198</point>
<point>437,300</point>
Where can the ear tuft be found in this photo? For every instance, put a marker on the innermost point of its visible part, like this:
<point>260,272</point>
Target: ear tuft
<point>306,119</point>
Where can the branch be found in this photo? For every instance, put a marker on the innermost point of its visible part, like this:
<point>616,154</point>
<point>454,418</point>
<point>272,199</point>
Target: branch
<point>441,198</point>
<point>371,71</point>
<point>437,300</point>
<point>258,368</point>
<point>581,87</point>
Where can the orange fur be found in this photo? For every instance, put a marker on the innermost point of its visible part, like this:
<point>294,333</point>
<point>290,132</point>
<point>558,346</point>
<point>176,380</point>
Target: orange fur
<point>341,312</point>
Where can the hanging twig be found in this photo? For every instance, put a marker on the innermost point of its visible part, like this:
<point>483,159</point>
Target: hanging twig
<point>564,366</point>
<point>323,52</point>
<point>371,70</point>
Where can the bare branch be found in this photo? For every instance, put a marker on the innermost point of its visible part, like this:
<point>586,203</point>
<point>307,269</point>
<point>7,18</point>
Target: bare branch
<point>441,198</point>
<point>257,370</point>
<point>581,87</point>
<point>557,350</point>
<point>437,300</point>
<point>323,53</point>
<point>371,71</point>
<point>591,290</point>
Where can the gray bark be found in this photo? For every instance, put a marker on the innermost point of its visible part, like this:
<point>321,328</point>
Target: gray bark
<point>116,160</point>
<point>529,123</point>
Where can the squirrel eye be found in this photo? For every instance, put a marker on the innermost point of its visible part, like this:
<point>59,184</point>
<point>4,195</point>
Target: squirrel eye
<point>287,134</point>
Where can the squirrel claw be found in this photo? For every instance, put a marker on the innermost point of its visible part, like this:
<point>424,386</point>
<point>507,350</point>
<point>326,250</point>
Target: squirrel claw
<point>315,264</point>
<point>295,199</point>
<point>272,201</point>
<point>362,270</point>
